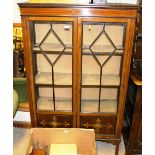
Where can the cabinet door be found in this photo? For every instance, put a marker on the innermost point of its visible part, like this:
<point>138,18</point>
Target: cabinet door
<point>53,54</point>
<point>102,53</point>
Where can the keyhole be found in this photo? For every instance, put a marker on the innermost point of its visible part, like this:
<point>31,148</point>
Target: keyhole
<point>89,28</point>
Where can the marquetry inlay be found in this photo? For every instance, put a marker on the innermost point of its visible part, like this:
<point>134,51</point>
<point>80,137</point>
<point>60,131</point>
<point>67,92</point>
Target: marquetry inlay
<point>54,123</point>
<point>98,125</point>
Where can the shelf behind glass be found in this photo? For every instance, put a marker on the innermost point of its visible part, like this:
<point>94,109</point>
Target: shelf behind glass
<point>59,78</point>
<point>106,106</point>
<point>94,79</point>
<point>46,103</point>
<point>52,47</point>
<point>102,49</point>
<point>87,79</point>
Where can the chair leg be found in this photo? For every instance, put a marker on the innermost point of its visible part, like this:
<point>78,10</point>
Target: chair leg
<point>117,148</point>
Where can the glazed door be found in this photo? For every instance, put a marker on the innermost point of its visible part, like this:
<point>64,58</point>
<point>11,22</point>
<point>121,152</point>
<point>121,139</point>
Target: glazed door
<point>101,67</point>
<point>53,53</point>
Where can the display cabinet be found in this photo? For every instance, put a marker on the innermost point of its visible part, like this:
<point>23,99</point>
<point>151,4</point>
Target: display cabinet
<point>77,64</point>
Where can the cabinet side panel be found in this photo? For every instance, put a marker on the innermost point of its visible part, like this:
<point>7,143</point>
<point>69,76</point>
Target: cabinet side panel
<point>29,69</point>
<point>125,73</point>
<point>78,67</point>
<point>74,71</point>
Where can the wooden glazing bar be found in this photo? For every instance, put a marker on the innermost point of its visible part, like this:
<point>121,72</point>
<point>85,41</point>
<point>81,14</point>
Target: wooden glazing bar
<point>100,89</point>
<point>53,87</point>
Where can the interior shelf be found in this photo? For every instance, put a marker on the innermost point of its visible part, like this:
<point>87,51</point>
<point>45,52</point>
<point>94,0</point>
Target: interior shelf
<point>53,47</point>
<point>87,106</point>
<point>66,52</point>
<point>106,106</point>
<point>94,79</point>
<point>59,78</point>
<point>46,103</point>
<point>87,79</point>
<point>102,49</point>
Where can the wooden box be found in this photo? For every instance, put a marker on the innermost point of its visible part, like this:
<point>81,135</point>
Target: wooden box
<point>83,138</point>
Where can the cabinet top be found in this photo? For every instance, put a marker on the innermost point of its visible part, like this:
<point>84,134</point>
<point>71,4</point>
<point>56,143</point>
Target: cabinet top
<point>78,10</point>
<point>56,5</point>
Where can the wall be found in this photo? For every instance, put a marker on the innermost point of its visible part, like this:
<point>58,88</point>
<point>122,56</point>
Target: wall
<point>123,1</point>
<point>16,11</point>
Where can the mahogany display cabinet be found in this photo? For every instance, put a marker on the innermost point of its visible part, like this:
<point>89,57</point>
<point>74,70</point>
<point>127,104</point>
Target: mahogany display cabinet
<point>77,64</point>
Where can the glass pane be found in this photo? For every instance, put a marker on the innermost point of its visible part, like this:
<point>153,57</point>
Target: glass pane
<point>63,99</point>
<point>90,76</point>
<point>62,70</point>
<point>89,100</point>
<point>110,71</point>
<point>103,37</point>
<point>116,33</point>
<point>102,52</point>
<point>90,33</point>
<point>53,36</point>
<point>109,100</point>
<point>64,31</point>
<point>41,29</point>
<point>52,56</point>
<point>112,66</point>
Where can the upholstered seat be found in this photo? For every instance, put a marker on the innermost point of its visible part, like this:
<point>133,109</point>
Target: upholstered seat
<point>15,101</point>
<point>20,97</point>
<point>20,85</point>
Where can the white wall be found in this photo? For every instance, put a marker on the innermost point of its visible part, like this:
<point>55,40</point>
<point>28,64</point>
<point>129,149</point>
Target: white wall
<point>123,1</point>
<point>16,11</point>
